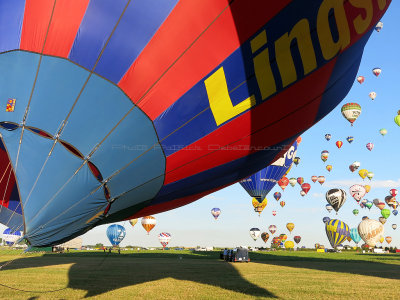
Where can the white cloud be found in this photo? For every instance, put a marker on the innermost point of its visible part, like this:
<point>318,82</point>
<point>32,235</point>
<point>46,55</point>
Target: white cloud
<point>318,195</point>
<point>374,183</point>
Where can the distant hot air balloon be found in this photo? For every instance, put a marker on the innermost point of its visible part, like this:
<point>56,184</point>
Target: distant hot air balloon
<point>363,173</point>
<point>272,229</point>
<point>351,111</point>
<point>364,218</point>
<point>296,160</point>
<point>274,213</point>
<point>370,231</point>
<point>10,237</point>
<point>297,239</point>
<point>372,95</point>
<point>282,203</point>
<point>348,239</point>
<point>133,222</point>
<point>164,238</point>
<point>350,139</point>
<point>388,239</point>
<point>277,196</point>
<point>265,236</point>
<point>314,178</point>
<point>116,234</point>
<point>397,118</point>
<point>255,233</point>
<point>324,155</point>
<point>300,180</point>
<point>370,175</point>
<point>290,227</point>
<point>321,179</point>
<point>357,191</point>
<point>339,144</point>
<point>385,213</point>
<point>367,188</point>
<point>390,200</point>
<point>148,223</point>
<point>381,205</point>
<point>336,231</point>
<point>259,207</point>
<point>379,26</point>
<point>283,182</point>
<point>393,192</point>
<point>328,136</point>
<point>302,193</point>
<point>329,207</point>
<point>369,204</point>
<point>360,79</point>
<point>394,226</point>
<point>383,131</point>
<point>215,212</point>
<point>382,220</point>
<point>381,239</point>
<point>325,219</point>
<point>355,212</point>
<point>395,212</point>
<point>283,237</point>
<point>276,240</point>
<point>305,187</point>
<point>289,245</point>
<point>370,146</point>
<point>376,201</point>
<point>328,167</point>
<point>336,198</point>
<point>376,71</point>
<point>354,235</point>
<point>293,181</point>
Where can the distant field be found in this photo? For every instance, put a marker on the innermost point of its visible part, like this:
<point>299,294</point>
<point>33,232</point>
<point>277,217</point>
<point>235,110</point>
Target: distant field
<point>185,275</point>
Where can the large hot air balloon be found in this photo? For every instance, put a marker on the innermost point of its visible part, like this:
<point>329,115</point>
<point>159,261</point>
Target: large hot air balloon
<point>272,229</point>
<point>265,236</point>
<point>101,100</point>
<point>10,237</point>
<point>370,231</point>
<point>215,212</point>
<point>133,222</point>
<point>164,238</point>
<point>261,183</point>
<point>116,234</point>
<point>357,191</point>
<point>336,231</point>
<point>328,136</point>
<point>336,198</point>
<point>351,111</point>
<point>255,233</point>
<point>290,227</point>
<point>148,223</point>
<point>259,207</point>
<point>324,155</point>
<point>297,239</point>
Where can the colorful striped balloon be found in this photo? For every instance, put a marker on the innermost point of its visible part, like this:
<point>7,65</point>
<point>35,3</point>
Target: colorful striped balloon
<point>336,231</point>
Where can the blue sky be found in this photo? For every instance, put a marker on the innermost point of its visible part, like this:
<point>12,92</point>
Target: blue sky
<point>193,224</point>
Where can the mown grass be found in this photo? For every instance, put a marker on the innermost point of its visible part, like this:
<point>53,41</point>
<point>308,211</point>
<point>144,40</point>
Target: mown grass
<point>186,275</point>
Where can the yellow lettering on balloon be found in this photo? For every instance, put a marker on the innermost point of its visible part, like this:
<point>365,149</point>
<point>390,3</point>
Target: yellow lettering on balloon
<point>284,58</point>
<point>328,46</point>
<point>381,4</point>
<point>220,100</point>
<point>361,24</point>
<point>262,67</point>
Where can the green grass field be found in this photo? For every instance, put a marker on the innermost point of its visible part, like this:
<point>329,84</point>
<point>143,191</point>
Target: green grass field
<point>185,275</point>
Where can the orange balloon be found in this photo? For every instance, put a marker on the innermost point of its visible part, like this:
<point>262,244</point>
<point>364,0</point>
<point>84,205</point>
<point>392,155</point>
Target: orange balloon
<point>148,223</point>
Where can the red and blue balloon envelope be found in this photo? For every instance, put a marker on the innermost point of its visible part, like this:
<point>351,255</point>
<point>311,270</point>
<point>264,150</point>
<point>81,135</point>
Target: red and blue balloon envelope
<point>215,212</point>
<point>164,238</point>
<point>129,108</point>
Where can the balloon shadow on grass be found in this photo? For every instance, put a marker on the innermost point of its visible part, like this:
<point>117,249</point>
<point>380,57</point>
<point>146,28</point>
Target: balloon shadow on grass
<point>98,273</point>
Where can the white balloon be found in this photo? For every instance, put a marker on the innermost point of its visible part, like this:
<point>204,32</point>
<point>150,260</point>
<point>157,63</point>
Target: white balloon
<point>255,233</point>
<point>371,231</point>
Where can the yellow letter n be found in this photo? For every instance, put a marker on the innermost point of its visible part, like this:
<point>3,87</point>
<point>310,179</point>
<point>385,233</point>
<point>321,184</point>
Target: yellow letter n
<point>220,100</point>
